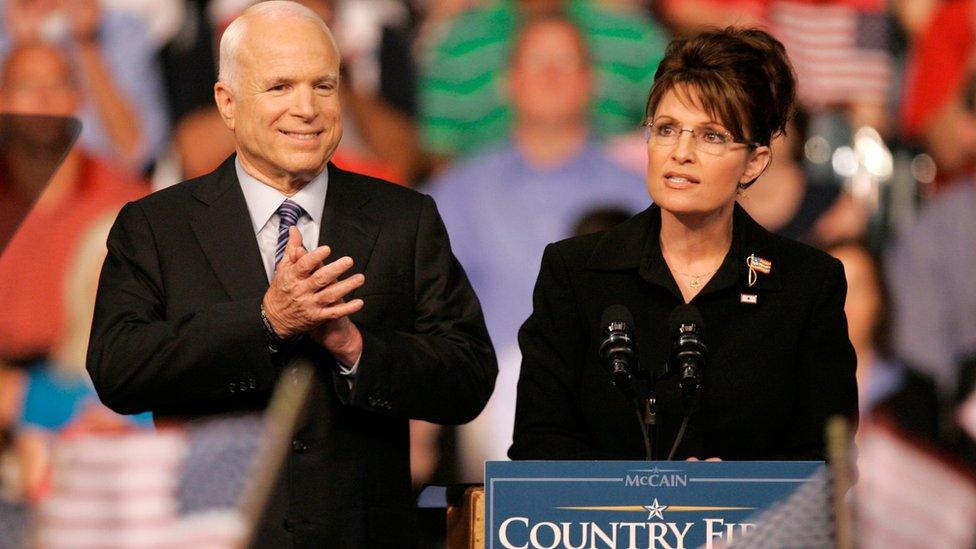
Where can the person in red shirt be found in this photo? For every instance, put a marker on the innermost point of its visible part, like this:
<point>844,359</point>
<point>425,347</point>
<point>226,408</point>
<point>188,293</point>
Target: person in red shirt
<point>37,79</point>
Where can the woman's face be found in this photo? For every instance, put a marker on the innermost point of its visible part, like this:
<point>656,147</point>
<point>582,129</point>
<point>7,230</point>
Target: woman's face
<point>686,181</point>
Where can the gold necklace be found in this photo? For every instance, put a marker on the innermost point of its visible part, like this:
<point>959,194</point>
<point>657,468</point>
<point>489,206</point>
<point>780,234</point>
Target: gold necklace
<point>696,279</point>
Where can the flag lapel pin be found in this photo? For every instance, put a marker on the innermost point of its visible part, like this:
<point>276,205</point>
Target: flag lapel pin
<point>756,265</point>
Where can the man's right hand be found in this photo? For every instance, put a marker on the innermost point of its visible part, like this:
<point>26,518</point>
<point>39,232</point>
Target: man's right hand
<point>305,292</point>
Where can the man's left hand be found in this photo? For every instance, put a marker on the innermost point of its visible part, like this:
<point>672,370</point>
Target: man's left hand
<point>341,338</point>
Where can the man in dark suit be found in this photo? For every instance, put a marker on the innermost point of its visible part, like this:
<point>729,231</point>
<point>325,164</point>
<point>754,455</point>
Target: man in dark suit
<point>187,323</point>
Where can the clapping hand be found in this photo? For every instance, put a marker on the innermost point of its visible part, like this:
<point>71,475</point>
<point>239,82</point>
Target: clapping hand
<point>306,296</point>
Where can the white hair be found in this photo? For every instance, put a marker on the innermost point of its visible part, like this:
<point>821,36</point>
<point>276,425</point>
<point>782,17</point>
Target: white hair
<point>230,42</point>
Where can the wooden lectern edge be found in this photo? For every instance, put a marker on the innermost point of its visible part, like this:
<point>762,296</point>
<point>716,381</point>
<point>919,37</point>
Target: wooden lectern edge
<point>466,523</point>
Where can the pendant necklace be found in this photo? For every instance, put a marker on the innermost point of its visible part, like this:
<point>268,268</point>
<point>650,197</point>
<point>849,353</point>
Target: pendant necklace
<point>695,280</point>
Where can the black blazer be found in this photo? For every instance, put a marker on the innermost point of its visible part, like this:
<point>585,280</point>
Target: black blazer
<point>177,330</point>
<point>777,368</point>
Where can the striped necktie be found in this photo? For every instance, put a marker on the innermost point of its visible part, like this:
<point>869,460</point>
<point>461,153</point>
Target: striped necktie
<point>288,214</point>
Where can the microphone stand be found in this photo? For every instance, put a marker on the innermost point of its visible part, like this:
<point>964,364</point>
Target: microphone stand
<point>646,405</point>
<point>690,400</point>
<point>650,422</point>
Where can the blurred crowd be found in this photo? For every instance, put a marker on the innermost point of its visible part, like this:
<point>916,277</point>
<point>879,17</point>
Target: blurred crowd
<point>522,118</point>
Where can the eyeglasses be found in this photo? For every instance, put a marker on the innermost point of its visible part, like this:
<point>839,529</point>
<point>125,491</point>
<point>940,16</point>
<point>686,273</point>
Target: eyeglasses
<point>707,140</point>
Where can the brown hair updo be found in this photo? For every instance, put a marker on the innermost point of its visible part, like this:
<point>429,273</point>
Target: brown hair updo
<point>742,77</point>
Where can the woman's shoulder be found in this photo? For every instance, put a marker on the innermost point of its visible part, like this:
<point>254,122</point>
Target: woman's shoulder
<point>794,266</point>
<point>788,250</point>
<point>617,246</point>
<point>578,245</point>
<point>794,250</point>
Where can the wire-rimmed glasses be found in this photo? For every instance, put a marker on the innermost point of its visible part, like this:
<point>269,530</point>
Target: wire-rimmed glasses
<point>707,139</point>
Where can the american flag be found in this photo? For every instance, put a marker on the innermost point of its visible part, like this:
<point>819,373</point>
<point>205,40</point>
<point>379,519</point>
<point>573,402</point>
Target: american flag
<point>203,484</point>
<point>760,264</point>
<point>804,519</point>
<point>177,487</point>
<point>840,50</point>
<point>909,495</point>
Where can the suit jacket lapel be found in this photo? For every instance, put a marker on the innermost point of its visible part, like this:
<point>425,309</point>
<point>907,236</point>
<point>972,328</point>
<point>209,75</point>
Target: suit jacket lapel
<point>347,226</point>
<point>223,227</point>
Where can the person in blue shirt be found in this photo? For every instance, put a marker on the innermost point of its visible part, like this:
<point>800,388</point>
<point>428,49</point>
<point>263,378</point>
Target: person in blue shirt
<point>503,206</point>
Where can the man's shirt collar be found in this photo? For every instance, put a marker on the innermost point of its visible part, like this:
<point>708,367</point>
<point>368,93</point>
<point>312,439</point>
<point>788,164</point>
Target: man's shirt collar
<point>263,200</point>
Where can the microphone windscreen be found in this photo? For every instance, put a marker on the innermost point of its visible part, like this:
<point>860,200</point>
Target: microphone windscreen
<point>616,313</point>
<point>685,314</point>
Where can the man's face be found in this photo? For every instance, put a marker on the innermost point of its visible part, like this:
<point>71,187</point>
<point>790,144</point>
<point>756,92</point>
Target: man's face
<point>550,79</point>
<point>284,110</point>
<point>37,81</point>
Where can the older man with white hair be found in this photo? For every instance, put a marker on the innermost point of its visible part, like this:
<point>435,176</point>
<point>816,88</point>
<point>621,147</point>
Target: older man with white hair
<point>212,285</point>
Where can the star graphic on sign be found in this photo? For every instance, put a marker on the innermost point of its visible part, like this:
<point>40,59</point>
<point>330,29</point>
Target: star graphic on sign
<point>655,509</point>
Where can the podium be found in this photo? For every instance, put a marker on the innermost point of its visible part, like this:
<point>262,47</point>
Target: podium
<point>642,504</point>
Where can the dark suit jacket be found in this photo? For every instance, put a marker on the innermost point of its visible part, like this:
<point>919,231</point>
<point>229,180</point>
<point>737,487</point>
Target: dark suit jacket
<point>777,369</point>
<point>177,330</point>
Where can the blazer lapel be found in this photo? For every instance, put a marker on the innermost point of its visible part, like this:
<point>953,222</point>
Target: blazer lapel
<point>346,226</point>
<point>223,227</point>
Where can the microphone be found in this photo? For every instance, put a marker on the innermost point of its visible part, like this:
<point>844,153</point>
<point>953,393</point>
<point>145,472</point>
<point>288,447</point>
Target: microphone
<point>688,351</point>
<point>618,351</point>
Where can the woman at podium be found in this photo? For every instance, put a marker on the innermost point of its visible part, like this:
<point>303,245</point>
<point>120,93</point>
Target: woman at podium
<point>689,331</point>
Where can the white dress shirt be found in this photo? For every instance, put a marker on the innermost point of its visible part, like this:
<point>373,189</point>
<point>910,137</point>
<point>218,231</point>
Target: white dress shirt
<point>263,202</point>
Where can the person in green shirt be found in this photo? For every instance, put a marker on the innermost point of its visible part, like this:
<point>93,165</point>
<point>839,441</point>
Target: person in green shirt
<point>462,101</point>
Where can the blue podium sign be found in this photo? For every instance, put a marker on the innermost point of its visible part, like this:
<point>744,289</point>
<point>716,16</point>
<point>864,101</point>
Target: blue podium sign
<point>632,504</point>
